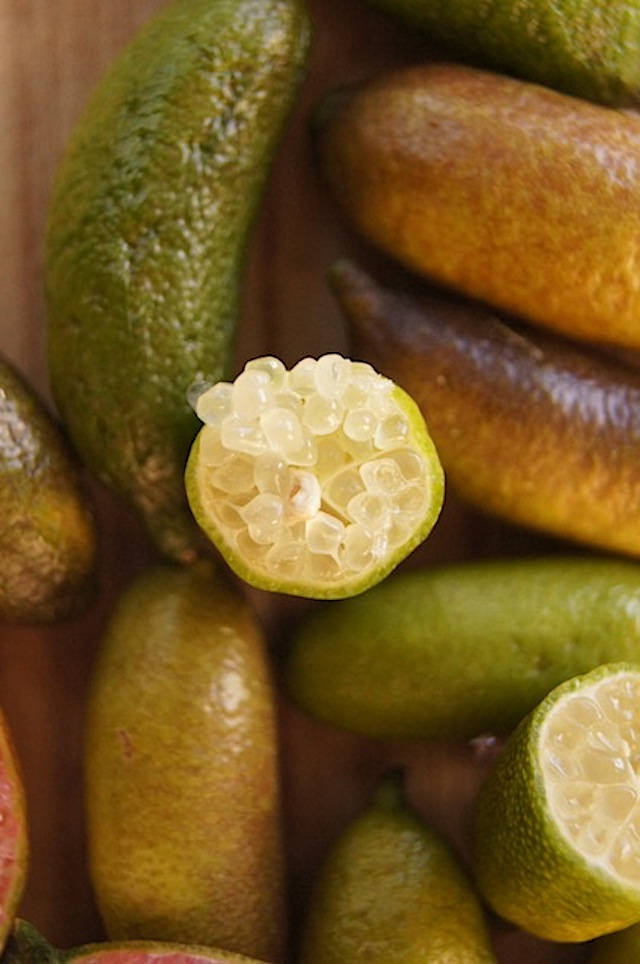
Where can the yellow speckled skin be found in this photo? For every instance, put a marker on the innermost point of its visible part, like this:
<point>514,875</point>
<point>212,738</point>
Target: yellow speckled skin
<point>182,770</point>
<point>528,426</point>
<point>47,537</point>
<point>507,191</point>
<point>391,891</point>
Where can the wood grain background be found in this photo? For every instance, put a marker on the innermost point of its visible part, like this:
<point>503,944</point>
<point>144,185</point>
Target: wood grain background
<point>51,54</point>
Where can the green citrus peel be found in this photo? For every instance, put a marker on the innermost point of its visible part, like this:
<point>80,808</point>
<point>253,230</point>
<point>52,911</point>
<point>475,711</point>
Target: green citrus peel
<point>557,822</point>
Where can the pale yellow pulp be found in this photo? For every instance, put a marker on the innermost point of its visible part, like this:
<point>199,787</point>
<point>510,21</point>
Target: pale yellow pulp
<point>311,473</point>
<point>590,756</point>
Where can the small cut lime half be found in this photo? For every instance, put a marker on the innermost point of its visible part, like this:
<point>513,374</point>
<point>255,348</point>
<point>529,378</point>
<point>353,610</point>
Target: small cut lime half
<point>315,481</point>
<point>557,823</point>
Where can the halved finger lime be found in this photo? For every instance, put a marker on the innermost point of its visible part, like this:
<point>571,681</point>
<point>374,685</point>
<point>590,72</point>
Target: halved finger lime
<point>557,824</point>
<point>316,481</point>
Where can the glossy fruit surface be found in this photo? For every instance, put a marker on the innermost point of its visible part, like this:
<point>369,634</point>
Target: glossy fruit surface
<point>529,426</point>
<point>392,890</point>
<point>504,190</point>
<point>47,538</point>
<point>555,838</point>
<point>316,481</point>
<point>589,48</point>
<point>182,769</point>
<point>451,652</point>
<point>148,225</point>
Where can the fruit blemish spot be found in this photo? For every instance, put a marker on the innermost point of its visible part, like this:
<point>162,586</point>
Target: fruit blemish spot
<point>311,473</point>
<point>590,745</point>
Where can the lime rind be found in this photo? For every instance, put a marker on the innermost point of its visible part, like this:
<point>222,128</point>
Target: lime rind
<point>315,482</point>
<point>526,865</point>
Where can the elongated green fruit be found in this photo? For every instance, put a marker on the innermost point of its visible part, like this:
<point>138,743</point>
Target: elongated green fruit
<point>507,191</point>
<point>48,538</point>
<point>528,426</point>
<point>391,891</point>
<point>183,798</point>
<point>590,48</point>
<point>456,651</point>
<point>147,234</point>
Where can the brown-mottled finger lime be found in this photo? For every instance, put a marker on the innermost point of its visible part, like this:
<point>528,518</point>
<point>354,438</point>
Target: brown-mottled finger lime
<point>556,822</point>
<point>316,481</point>
<point>529,426</point>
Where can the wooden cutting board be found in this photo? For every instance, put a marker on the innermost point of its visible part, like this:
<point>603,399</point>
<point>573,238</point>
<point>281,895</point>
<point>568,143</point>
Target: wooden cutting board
<point>51,54</point>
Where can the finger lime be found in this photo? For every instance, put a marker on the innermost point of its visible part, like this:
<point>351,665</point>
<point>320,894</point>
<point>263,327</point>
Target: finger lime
<point>589,48</point>
<point>183,800</point>
<point>451,652</point>
<point>149,222</point>
<point>316,481</point>
<point>556,822</point>
<point>529,426</point>
<point>504,190</point>
<point>48,538</point>
<point>392,891</point>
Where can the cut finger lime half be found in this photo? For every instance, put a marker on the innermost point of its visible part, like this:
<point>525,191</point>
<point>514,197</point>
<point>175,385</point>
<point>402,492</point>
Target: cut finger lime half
<point>315,481</point>
<point>557,823</point>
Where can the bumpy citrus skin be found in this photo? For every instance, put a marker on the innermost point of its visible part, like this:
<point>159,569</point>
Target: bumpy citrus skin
<point>47,540</point>
<point>523,865</point>
<point>507,191</point>
<point>182,780</point>
<point>304,490</point>
<point>529,426</point>
<point>586,48</point>
<point>147,233</point>
<point>451,652</point>
<point>391,890</point>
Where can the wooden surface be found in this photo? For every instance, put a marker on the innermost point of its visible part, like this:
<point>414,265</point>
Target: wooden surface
<point>51,53</point>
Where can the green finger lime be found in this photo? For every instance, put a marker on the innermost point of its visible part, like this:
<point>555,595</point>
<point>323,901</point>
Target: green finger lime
<point>148,229</point>
<point>450,652</point>
<point>392,891</point>
<point>316,481</point>
<point>589,48</point>
<point>557,821</point>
